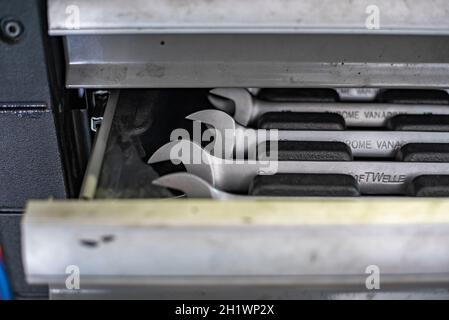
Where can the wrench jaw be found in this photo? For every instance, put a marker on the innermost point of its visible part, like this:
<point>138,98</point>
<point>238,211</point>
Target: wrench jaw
<point>194,158</point>
<point>191,185</point>
<point>221,103</point>
<point>225,130</point>
<point>242,101</point>
<point>224,174</point>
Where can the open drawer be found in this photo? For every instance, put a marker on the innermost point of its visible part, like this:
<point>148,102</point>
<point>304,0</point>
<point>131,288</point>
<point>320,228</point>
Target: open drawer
<point>130,238</point>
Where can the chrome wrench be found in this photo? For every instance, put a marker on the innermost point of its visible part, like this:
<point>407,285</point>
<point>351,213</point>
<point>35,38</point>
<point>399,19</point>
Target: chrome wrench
<point>362,143</point>
<point>236,175</point>
<point>246,108</point>
<point>194,187</point>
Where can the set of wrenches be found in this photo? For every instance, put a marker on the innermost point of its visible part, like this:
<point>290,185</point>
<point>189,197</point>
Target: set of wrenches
<point>223,172</point>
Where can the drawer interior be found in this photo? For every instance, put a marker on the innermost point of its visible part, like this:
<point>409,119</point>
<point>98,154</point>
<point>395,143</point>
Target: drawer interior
<point>140,121</point>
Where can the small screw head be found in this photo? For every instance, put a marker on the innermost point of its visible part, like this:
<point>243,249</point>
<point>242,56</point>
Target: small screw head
<point>11,30</point>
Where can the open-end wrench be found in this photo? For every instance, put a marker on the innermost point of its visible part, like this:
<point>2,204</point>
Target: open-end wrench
<point>362,143</point>
<point>194,187</point>
<point>246,108</point>
<point>236,175</point>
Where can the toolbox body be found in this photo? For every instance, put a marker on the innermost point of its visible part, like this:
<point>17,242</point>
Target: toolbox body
<point>132,75</point>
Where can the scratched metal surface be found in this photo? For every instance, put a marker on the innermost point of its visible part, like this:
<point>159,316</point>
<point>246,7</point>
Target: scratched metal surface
<point>243,16</point>
<point>175,242</point>
<point>264,61</point>
<point>210,292</point>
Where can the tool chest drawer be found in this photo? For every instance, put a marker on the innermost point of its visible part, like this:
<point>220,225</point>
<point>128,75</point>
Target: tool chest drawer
<point>348,190</point>
<point>225,149</point>
<point>312,147</point>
